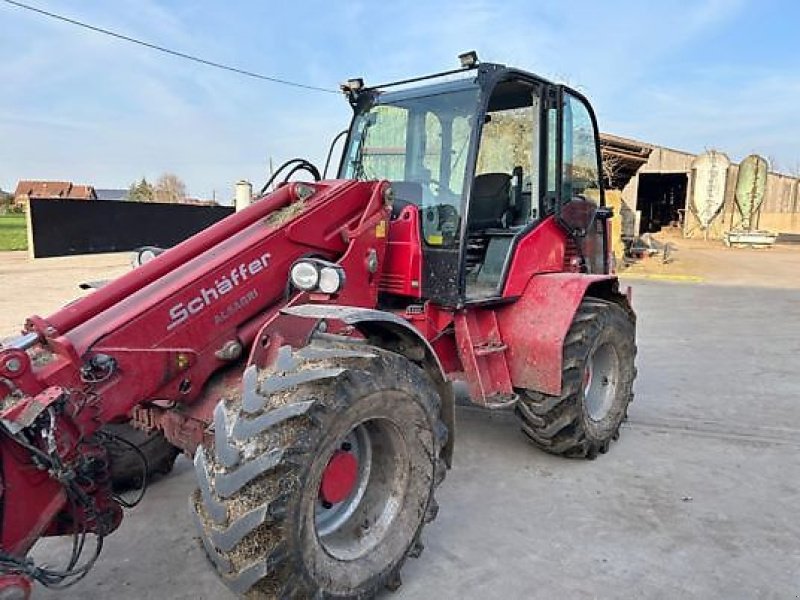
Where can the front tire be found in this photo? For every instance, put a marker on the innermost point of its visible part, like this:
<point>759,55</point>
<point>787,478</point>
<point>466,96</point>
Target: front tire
<point>322,474</point>
<point>597,385</point>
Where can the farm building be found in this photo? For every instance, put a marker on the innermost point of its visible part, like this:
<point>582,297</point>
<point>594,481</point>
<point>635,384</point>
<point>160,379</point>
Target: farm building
<point>658,183</point>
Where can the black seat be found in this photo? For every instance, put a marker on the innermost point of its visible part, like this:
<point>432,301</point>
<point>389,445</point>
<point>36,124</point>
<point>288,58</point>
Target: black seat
<point>491,201</point>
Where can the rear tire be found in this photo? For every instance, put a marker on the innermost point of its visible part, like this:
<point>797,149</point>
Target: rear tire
<point>125,464</point>
<point>597,385</point>
<point>261,510</point>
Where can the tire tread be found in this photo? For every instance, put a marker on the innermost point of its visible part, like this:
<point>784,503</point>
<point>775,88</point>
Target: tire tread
<point>554,423</point>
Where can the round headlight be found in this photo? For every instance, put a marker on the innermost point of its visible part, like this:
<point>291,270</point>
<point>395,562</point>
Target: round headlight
<point>144,255</point>
<point>330,280</point>
<point>305,276</point>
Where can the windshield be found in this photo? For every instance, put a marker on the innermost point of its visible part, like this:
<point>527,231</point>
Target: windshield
<point>418,141</point>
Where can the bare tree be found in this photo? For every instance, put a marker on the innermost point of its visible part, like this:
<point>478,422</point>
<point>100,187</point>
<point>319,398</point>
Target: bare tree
<point>169,188</point>
<point>772,164</point>
<point>612,165</point>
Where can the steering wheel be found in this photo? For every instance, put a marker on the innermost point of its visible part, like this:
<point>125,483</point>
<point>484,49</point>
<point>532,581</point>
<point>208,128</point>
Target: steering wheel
<point>300,164</point>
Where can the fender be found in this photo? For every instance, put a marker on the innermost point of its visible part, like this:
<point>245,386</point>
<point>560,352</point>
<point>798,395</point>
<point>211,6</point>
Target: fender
<point>296,325</point>
<point>535,326</point>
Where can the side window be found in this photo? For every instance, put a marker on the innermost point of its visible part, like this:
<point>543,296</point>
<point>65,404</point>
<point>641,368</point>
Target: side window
<point>507,141</point>
<point>552,140</point>
<point>508,159</point>
<point>580,176</point>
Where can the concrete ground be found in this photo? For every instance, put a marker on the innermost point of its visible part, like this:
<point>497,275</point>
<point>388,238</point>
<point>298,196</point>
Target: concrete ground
<point>712,262</point>
<point>698,499</point>
<point>41,286</point>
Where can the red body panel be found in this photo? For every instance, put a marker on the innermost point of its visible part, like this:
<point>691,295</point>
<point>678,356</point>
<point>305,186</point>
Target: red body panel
<point>402,271</point>
<point>542,250</point>
<point>35,509</point>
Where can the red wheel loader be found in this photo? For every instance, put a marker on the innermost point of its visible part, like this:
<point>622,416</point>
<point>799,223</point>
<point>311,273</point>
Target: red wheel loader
<point>302,350</point>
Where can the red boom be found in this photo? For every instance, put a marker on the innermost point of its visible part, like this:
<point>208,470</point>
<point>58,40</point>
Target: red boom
<point>160,332</point>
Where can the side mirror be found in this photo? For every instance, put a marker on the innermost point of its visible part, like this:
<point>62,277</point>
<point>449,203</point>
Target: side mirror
<point>578,215</point>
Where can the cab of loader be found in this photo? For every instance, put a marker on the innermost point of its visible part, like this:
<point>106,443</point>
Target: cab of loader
<point>482,156</point>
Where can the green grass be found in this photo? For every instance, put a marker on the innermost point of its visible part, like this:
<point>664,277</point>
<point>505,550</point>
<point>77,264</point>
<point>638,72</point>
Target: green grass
<point>12,232</point>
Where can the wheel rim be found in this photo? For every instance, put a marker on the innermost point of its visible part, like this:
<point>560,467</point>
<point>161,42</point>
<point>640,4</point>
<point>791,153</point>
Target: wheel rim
<point>329,516</point>
<point>600,379</point>
<point>350,522</point>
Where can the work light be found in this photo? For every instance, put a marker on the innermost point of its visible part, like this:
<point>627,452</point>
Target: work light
<point>468,59</point>
<point>330,280</point>
<point>305,276</point>
<point>317,275</point>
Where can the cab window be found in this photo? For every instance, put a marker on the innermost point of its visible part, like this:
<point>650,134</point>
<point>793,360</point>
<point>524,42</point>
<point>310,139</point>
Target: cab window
<point>420,144</point>
<point>580,173</point>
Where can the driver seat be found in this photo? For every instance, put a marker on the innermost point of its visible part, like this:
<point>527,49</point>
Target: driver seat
<point>491,202</point>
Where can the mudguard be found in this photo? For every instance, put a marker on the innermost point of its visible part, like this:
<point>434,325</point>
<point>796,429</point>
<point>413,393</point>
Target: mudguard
<point>295,325</point>
<point>534,327</point>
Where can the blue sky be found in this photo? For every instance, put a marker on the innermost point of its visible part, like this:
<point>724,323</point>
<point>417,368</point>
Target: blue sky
<point>83,107</point>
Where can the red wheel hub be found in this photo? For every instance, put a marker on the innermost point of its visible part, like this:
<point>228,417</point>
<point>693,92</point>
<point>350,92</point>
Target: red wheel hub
<point>339,477</point>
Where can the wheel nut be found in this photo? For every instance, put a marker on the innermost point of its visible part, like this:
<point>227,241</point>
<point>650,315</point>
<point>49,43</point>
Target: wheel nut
<point>326,505</point>
<point>346,446</point>
<point>13,365</point>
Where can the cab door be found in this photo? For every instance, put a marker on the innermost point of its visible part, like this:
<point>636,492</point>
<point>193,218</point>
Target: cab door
<point>580,205</point>
<point>505,188</point>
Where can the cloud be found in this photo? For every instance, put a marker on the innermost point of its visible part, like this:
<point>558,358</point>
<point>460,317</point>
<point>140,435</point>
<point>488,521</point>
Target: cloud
<point>85,107</point>
<point>740,112</point>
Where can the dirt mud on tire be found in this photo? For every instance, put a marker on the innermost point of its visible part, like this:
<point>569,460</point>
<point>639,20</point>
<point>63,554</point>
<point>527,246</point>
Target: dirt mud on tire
<point>322,475</point>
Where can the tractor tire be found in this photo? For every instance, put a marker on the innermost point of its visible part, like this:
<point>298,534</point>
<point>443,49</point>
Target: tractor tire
<point>322,474</point>
<point>125,464</point>
<point>596,385</point>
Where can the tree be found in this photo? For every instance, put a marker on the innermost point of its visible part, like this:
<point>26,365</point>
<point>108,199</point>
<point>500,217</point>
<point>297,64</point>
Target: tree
<point>170,188</point>
<point>7,203</point>
<point>773,165</point>
<point>141,191</point>
<point>612,167</point>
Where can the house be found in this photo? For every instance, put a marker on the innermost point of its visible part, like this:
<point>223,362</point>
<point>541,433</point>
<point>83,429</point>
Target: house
<point>27,189</point>
<point>111,194</point>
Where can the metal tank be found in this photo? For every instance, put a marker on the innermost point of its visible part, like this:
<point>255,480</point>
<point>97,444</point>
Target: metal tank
<point>751,187</point>
<point>709,177</point>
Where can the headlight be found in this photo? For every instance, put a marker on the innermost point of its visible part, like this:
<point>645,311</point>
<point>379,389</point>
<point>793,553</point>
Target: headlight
<point>144,255</point>
<point>317,275</point>
<point>305,276</point>
<point>330,280</point>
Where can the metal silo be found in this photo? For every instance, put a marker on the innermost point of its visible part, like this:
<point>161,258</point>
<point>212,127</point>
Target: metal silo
<point>751,186</point>
<point>709,177</point>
